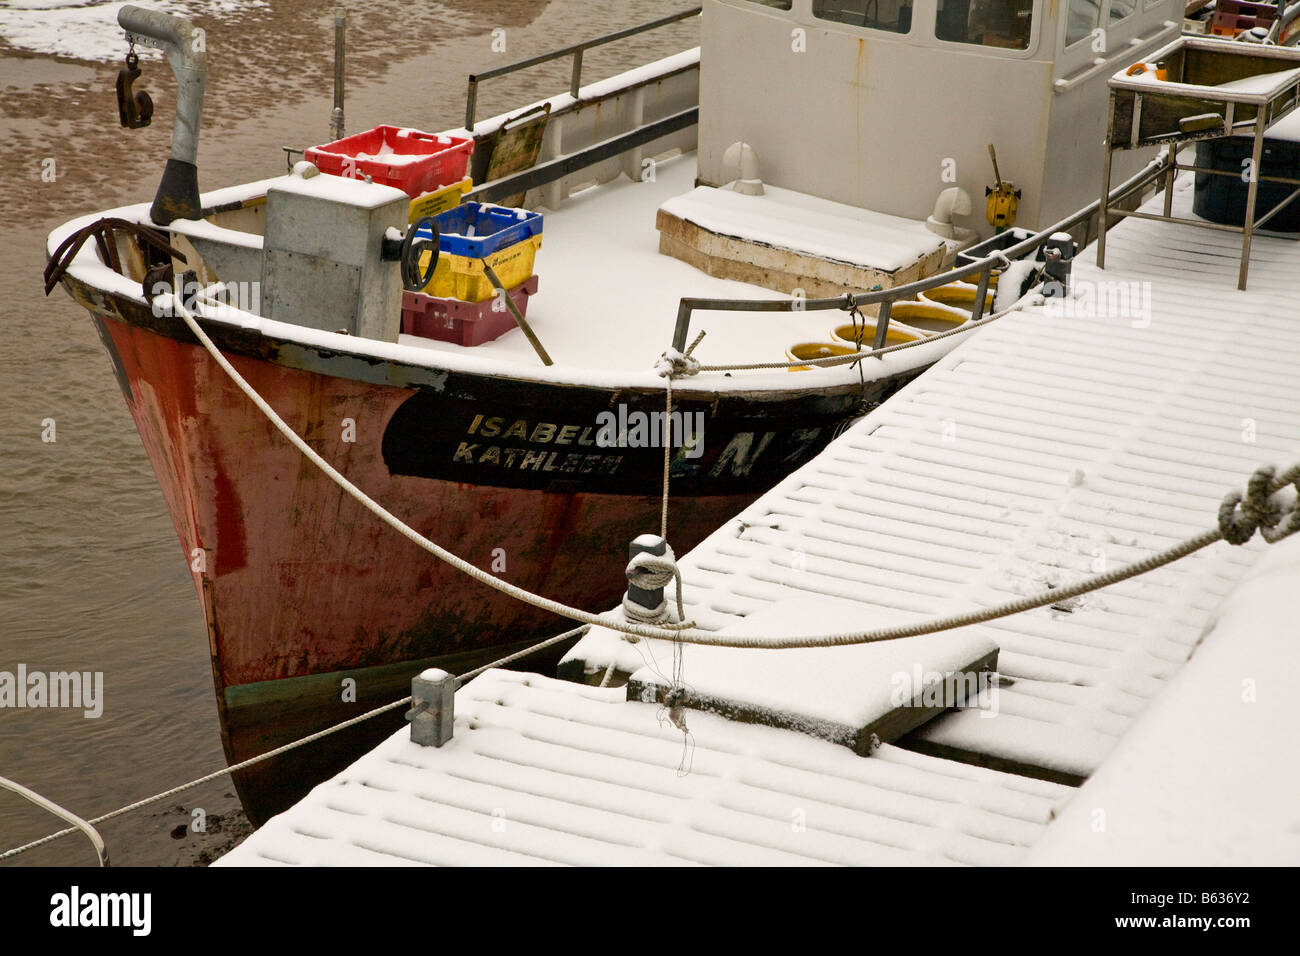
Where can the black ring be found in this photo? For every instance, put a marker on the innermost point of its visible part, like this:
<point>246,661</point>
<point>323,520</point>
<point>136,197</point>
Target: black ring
<point>413,279</point>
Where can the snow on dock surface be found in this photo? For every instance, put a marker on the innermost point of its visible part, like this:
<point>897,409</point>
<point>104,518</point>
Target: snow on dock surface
<point>823,688</point>
<point>1210,772</point>
<point>541,771</point>
<point>1050,445</point>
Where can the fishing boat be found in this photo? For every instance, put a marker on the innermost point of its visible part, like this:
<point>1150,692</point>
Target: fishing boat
<point>808,195</point>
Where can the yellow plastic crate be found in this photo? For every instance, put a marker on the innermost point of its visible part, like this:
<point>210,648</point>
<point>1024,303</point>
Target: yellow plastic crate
<point>460,277</point>
<point>440,200</point>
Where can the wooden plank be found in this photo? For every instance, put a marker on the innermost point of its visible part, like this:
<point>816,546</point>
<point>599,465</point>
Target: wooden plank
<point>887,728</point>
<point>515,147</point>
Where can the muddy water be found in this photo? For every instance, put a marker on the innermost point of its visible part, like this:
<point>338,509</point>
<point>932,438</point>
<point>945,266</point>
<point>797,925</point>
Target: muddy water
<point>92,576</point>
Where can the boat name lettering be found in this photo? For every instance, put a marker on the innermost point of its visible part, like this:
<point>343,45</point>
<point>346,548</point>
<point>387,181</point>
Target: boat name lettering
<point>540,433</point>
<point>503,456</point>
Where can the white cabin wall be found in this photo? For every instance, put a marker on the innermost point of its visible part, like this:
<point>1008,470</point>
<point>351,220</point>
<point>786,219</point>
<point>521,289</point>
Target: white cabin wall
<point>867,117</point>
<point>863,117</point>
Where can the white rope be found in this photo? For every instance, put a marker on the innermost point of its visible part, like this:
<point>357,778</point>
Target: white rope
<point>62,813</point>
<point>613,622</point>
<point>650,572</point>
<point>671,364</point>
<point>386,516</point>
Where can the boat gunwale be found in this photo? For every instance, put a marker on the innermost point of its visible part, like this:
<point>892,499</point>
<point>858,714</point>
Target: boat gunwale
<point>123,297</point>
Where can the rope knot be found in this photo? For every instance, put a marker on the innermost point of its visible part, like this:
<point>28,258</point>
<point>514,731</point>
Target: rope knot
<point>1240,516</point>
<point>650,572</point>
<point>675,364</point>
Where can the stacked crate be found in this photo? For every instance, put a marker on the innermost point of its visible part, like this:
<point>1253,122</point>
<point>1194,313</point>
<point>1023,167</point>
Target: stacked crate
<point>460,303</point>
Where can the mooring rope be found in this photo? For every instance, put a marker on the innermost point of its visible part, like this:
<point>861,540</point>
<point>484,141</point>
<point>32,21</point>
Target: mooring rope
<point>612,621</point>
<point>293,745</point>
<point>670,365</point>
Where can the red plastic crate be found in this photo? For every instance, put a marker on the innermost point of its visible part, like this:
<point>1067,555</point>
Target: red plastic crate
<point>413,161</point>
<point>465,323</point>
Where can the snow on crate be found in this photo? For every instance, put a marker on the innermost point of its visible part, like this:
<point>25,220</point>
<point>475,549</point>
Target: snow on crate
<point>546,772</point>
<point>409,159</point>
<point>1062,441</point>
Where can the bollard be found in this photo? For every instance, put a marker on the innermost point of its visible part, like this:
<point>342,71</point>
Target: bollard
<point>433,707</point>
<point>651,600</point>
<point>1058,256</point>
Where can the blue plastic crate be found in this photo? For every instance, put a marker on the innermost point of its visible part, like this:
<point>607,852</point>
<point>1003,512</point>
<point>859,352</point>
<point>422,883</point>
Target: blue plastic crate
<point>475,229</point>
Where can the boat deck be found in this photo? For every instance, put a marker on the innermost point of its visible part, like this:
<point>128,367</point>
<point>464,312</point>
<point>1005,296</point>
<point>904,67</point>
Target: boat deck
<point>608,299</point>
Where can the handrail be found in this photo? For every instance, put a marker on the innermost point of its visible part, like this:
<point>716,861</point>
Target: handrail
<point>1104,65</point>
<point>886,297</point>
<point>575,50</point>
<point>67,816</point>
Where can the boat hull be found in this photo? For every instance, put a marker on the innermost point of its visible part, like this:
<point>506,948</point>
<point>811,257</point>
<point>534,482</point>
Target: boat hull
<point>316,610</point>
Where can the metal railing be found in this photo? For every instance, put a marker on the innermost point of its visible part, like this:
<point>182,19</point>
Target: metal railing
<point>575,51</point>
<point>885,298</point>
<point>97,841</point>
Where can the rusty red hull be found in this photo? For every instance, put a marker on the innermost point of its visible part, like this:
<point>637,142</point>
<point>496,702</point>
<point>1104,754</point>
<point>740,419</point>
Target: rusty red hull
<point>316,610</point>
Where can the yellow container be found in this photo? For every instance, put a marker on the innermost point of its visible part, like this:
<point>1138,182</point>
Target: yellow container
<point>959,295</point>
<point>846,334</point>
<point>460,277</point>
<point>928,317</point>
<point>440,200</point>
<point>816,350</point>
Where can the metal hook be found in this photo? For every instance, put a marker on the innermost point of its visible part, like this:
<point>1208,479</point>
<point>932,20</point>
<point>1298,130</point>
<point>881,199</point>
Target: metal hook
<point>134,109</point>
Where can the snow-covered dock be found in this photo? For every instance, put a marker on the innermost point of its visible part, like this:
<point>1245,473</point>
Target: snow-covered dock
<point>1054,444</point>
<point>1058,442</point>
<point>546,771</point>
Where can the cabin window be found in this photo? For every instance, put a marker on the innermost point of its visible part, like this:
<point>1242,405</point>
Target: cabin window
<point>1119,9</point>
<point>892,15</point>
<point>1082,18</point>
<point>774,4</point>
<point>1000,23</point>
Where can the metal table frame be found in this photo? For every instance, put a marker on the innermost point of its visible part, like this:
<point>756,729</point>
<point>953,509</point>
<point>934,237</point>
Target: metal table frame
<point>1268,105</point>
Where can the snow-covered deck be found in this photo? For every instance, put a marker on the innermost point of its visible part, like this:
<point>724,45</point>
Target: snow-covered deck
<point>542,771</point>
<point>607,298</point>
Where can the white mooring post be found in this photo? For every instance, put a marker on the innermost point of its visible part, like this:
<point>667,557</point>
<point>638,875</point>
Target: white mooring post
<point>433,707</point>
